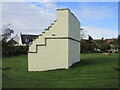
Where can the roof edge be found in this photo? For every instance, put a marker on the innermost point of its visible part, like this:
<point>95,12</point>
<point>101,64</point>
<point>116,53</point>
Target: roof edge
<point>63,9</point>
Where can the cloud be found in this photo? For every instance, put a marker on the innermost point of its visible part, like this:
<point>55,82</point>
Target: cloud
<point>27,17</point>
<point>91,12</point>
<point>49,6</point>
<point>98,33</point>
<point>33,18</point>
<point>93,17</point>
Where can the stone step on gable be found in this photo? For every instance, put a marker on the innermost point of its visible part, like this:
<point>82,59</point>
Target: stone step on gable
<point>57,48</point>
<point>41,35</point>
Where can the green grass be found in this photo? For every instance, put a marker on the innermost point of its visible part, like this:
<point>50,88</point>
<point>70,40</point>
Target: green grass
<point>93,71</point>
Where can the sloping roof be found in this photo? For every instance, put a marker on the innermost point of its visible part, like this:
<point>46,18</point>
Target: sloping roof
<point>96,40</point>
<point>13,41</point>
<point>110,40</point>
<point>16,38</point>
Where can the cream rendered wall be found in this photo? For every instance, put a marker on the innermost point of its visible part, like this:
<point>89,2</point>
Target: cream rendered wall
<point>59,51</point>
<point>55,54</point>
<point>74,27</point>
<point>52,56</point>
<point>73,46</point>
<point>73,52</point>
<point>60,29</point>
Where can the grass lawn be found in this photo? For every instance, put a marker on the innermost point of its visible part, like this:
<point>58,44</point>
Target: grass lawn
<point>93,71</point>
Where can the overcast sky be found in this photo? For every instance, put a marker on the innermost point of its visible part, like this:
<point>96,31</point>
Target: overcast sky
<point>98,19</point>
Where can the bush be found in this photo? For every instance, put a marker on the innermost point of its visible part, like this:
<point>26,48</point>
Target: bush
<point>10,50</point>
<point>87,47</point>
<point>20,50</point>
<point>104,47</point>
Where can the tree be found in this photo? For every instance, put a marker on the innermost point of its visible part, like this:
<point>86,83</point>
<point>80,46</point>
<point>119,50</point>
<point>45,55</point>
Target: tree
<point>104,47</point>
<point>102,39</point>
<point>89,38</point>
<point>119,42</point>
<point>7,48</point>
<point>87,46</point>
<point>7,32</point>
<point>82,33</point>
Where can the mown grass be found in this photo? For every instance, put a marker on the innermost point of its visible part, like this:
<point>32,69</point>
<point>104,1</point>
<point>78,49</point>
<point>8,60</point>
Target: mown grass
<point>93,71</point>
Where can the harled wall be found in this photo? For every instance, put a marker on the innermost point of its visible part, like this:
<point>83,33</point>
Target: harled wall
<point>73,46</point>
<point>59,51</point>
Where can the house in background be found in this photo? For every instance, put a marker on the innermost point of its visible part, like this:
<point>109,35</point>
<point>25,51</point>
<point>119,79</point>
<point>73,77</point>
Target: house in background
<point>112,42</point>
<point>16,41</point>
<point>113,46</point>
<point>27,38</point>
<point>23,39</point>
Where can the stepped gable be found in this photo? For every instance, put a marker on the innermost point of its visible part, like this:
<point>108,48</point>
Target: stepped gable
<point>58,46</point>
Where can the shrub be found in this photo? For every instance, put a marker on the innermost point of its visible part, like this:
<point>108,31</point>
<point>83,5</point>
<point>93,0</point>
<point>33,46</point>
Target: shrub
<point>9,50</point>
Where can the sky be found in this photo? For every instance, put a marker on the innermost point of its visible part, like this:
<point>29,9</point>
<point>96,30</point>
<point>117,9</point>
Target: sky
<point>98,19</point>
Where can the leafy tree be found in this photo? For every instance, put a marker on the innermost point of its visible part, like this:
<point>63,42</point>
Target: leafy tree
<point>89,38</point>
<point>7,48</point>
<point>104,47</point>
<point>119,42</point>
<point>99,43</point>
<point>87,46</point>
<point>102,39</point>
<point>115,43</point>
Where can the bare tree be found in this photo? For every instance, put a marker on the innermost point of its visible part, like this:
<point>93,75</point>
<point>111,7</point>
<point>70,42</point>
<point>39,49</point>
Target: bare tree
<point>7,32</point>
<point>82,33</point>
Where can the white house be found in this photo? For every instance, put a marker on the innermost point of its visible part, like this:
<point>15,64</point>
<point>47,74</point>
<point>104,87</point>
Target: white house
<point>58,47</point>
<point>23,39</point>
<point>16,41</point>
